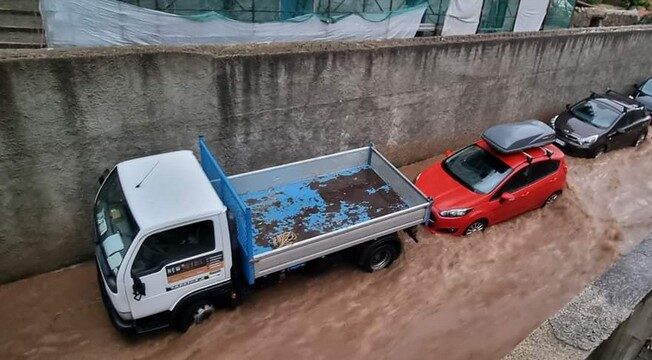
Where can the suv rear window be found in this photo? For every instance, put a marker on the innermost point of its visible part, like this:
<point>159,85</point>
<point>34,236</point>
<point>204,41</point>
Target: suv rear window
<point>647,87</point>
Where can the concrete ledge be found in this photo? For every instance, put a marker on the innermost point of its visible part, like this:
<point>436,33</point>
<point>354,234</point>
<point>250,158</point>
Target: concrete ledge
<point>593,315</point>
<point>243,50</point>
<point>608,16</point>
<point>19,5</point>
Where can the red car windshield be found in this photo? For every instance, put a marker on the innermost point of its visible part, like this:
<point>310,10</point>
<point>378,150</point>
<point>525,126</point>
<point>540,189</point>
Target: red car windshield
<point>477,169</point>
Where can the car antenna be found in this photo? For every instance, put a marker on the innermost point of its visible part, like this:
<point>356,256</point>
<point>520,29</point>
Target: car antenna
<point>147,175</point>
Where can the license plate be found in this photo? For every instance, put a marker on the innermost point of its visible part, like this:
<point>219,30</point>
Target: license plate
<point>560,142</point>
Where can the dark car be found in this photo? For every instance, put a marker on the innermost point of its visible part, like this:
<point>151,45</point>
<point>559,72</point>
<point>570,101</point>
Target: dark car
<point>643,94</point>
<point>600,123</point>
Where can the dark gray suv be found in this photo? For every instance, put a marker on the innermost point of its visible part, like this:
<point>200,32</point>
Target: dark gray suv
<point>643,94</point>
<point>600,123</point>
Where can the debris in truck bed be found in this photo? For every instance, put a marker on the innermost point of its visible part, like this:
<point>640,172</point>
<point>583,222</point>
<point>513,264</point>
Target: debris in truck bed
<point>284,239</point>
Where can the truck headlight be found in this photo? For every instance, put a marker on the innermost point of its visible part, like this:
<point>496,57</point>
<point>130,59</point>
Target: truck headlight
<point>553,120</point>
<point>588,140</point>
<point>455,212</point>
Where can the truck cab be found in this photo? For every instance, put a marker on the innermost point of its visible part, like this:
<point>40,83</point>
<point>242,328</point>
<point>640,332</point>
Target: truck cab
<point>161,233</point>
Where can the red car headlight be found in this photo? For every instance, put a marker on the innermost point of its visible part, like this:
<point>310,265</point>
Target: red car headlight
<point>455,212</point>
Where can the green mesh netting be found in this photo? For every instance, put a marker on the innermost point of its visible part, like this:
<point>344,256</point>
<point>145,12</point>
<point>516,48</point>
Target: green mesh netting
<point>260,11</point>
<point>498,16</point>
<point>559,14</point>
<point>435,12</point>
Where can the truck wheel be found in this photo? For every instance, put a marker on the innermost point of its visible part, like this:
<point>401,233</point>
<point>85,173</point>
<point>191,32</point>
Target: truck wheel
<point>194,313</point>
<point>378,256</point>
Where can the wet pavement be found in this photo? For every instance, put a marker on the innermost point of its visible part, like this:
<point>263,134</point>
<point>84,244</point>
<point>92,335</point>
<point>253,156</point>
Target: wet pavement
<point>446,298</point>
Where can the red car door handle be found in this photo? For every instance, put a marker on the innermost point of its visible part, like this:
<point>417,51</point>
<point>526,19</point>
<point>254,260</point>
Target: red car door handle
<point>526,193</point>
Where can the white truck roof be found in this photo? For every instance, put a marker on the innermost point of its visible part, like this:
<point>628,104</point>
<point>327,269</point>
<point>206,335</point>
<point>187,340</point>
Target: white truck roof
<point>166,189</point>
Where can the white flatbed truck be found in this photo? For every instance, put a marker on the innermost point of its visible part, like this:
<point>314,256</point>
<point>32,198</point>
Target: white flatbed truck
<point>176,238</point>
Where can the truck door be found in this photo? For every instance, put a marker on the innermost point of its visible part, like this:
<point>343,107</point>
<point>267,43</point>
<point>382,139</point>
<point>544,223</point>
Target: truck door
<point>173,263</point>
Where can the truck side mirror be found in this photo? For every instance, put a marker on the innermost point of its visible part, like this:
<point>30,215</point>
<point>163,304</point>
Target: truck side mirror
<point>567,106</point>
<point>138,288</point>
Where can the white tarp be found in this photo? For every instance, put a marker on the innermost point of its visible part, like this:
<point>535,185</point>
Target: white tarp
<point>462,17</point>
<point>530,16</point>
<point>71,23</point>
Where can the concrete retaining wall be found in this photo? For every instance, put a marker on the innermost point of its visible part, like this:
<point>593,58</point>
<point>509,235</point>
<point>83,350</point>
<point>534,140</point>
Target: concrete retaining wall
<point>582,17</point>
<point>629,340</point>
<point>67,115</point>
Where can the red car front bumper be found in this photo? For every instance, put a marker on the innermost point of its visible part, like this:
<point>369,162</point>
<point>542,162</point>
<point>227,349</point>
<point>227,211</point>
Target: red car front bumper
<point>448,225</point>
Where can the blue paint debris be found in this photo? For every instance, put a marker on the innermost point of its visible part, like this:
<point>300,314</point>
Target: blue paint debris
<point>319,205</point>
<point>382,188</point>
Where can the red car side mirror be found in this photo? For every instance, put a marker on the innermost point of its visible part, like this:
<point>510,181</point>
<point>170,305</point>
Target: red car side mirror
<point>448,153</point>
<point>506,197</point>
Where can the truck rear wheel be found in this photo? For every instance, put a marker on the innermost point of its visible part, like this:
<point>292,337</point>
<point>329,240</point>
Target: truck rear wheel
<point>379,255</point>
<point>194,313</point>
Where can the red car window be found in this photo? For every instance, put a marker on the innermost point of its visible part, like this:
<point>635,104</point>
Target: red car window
<point>519,180</point>
<point>543,169</point>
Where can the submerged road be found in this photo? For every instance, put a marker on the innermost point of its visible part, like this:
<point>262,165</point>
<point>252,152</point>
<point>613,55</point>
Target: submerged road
<point>446,298</point>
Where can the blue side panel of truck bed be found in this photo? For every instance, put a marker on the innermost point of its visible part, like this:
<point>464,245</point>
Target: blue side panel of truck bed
<point>238,211</point>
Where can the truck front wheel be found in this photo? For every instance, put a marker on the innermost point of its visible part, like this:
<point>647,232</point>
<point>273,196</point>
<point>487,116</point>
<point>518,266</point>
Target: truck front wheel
<point>378,256</point>
<point>194,313</point>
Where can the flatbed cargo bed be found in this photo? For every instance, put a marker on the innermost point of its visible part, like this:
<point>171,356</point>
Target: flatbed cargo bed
<point>286,215</point>
<point>319,205</point>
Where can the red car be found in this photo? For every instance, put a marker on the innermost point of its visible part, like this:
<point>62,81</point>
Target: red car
<point>513,169</point>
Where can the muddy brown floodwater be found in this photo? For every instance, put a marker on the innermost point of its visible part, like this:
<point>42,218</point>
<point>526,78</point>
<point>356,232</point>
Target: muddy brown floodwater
<point>446,298</point>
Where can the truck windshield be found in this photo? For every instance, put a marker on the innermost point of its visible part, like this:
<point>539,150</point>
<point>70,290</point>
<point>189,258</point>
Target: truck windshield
<point>477,169</point>
<point>596,113</point>
<point>115,226</point>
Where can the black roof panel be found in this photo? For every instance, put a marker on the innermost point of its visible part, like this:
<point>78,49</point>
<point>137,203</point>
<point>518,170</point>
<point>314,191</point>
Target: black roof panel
<point>622,100</point>
<point>519,136</point>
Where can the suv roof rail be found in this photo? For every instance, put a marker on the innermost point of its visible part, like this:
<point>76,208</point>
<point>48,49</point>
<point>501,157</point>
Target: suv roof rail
<point>627,102</point>
<point>515,137</point>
